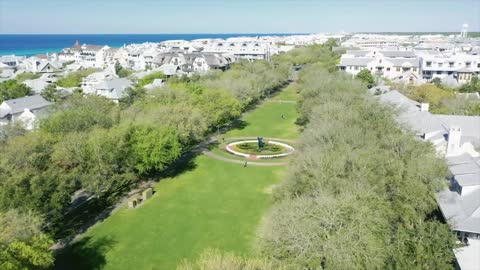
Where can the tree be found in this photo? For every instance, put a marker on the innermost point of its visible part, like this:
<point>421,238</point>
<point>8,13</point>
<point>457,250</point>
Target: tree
<point>11,89</point>
<point>79,113</point>
<point>431,94</point>
<point>133,94</point>
<point>360,192</point>
<point>150,78</point>
<point>74,79</point>
<point>27,76</point>
<point>154,148</point>
<point>51,93</point>
<point>472,86</point>
<point>121,71</point>
<point>366,76</point>
<point>23,245</point>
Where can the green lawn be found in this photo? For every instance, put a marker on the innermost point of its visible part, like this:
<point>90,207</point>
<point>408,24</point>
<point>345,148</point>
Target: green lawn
<point>266,121</point>
<point>216,205</point>
<point>290,93</point>
<point>213,205</point>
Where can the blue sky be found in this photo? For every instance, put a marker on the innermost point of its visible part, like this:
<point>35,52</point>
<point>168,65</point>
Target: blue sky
<point>235,16</point>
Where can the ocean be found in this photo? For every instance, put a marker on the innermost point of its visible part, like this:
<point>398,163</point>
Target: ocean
<point>28,45</point>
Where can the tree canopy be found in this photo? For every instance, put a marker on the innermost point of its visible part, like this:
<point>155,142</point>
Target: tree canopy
<point>11,89</point>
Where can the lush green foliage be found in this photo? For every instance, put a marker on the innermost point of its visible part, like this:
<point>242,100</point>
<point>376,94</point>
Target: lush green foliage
<point>472,86</point>
<point>26,76</point>
<point>11,89</point>
<point>80,113</point>
<point>121,71</point>
<point>74,79</point>
<point>359,194</point>
<point>248,81</point>
<point>22,243</point>
<point>366,76</point>
<point>51,93</point>
<point>442,100</point>
<point>150,78</point>
<point>155,148</point>
<point>322,55</point>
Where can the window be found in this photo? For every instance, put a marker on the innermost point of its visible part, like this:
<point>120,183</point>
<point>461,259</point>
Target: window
<point>429,63</point>
<point>388,69</point>
<point>468,64</point>
<point>440,64</point>
<point>478,65</point>
<point>414,69</point>
<point>398,68</point>
<point>451,64</point>
<point>356,67</point>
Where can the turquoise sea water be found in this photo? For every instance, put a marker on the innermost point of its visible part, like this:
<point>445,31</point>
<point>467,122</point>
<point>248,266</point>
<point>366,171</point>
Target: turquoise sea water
<point>28,45</point>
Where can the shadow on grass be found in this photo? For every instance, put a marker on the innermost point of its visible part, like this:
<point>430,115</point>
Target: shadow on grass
<point>237,124</point>
<point>84,254</point>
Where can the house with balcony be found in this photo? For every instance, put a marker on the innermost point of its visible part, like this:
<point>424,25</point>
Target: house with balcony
<point>388,64</point>
<point>457,67</point>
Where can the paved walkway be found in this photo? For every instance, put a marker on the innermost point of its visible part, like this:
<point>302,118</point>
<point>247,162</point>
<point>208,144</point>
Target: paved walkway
<point>253,163</point>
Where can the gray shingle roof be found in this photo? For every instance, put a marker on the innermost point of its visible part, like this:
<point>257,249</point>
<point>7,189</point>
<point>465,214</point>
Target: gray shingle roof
<point>18,105</point>
<point>407,54</point>
<point>114,88</point>
<point>355,61</point>
<point>461,212</point>
<point>357,53</point>
<point>470,126</point>
<point>400,62</point>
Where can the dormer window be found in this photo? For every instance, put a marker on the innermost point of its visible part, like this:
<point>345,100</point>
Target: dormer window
<point>451,64</point>
<point>429,63</point>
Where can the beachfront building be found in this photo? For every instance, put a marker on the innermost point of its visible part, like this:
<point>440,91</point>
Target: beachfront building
<point>24,110</point>
<point>388,64</point>
<point>457,138</point>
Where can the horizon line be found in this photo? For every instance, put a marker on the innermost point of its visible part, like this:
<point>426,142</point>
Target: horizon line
<point>241,33</point>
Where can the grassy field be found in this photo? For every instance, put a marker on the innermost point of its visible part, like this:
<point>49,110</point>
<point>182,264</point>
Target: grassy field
<point>213,204</point>
<point>266,121</point>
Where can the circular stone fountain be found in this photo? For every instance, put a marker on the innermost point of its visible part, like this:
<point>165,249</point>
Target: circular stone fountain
<point>250,149</point>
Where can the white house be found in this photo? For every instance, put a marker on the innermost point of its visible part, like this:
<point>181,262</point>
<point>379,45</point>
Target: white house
<point>459,66</point>
<point>26,110</point>
<point>388,64</point>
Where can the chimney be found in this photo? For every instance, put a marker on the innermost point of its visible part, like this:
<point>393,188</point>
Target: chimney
<point>424,107</point>
<point>454,140</point>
